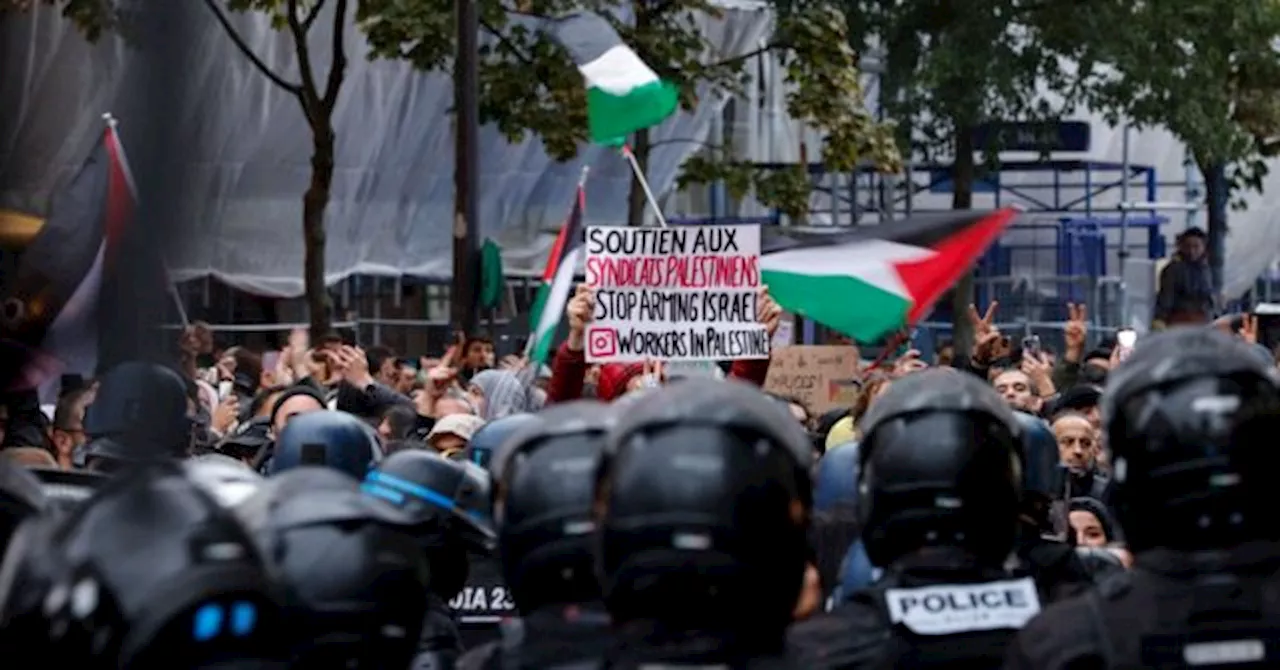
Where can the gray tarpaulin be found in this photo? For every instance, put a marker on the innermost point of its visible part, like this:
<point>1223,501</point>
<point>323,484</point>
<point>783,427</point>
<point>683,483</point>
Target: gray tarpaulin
<point>248,150</point>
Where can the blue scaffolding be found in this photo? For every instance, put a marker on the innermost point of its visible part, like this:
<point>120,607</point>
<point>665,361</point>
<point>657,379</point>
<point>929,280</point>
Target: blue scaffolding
<point>1088,243</point>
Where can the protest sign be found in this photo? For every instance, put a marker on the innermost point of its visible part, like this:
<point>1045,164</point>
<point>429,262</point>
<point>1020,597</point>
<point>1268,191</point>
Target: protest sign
<point>824,377</point>
<point>684,293</point>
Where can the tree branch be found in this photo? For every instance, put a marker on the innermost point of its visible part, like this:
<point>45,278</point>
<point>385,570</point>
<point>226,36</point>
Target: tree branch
<point>338,69</point>
<point>248,52</point>
<point>312,14</point>
<point>502,39</point>
<point>748,55</point>
<point>310,93</point>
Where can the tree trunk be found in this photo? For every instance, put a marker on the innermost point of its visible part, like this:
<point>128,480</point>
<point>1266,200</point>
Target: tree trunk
<point>962,172</point>
<point>636,202</point>
<point>1215,194</point>
<point>314,203</point>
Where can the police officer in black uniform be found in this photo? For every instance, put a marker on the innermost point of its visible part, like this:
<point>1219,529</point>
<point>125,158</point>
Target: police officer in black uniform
<point>150,573</point>
<point>140,412</point>
<point>940,485</point>
<point>354,577</point>
<point>1191,419</point>
<point>543,479</point>
<point>702,504</point>
<point>450,501</point>
<point>485,601</point>
<point>330,438</point>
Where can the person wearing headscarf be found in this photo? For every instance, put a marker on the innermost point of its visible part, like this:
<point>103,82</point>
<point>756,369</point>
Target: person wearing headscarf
<point>502,392</point>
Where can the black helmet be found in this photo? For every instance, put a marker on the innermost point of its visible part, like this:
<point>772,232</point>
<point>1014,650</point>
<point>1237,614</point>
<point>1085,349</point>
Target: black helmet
<point>356,581</point>
<point>543,481</point>
<point>149,573</point>
<point>1189,419</point>
<point>326,437</point>
<point>66,489</point>
<point>139,412</point>
<point>228,480</point>
<point>703,497</point>
<point>940,466</point>
<point>21,496</point>
<point>1042,475</point>
<point>249,442</point>
<point>427,485</point>
<point>486,441</point>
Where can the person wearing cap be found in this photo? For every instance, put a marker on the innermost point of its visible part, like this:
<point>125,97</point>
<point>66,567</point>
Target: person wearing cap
<point>1186,294</point>
<point>451,434</point>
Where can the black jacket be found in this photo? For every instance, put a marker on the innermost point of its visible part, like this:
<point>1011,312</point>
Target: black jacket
<point>1155,614</point>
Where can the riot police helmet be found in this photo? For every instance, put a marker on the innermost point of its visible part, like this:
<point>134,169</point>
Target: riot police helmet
<point>1189,418</point>
<point>140,411</point>
<point>151,572</point>
<point>702,501</point>
<point>354,577</point>
<point>486,441</point>
<point>427,485</point>
<point>327,438</point>
<point>543,485</point>
<point>228,480</point>
<point>66,489</point>
<point>941,466</point>
<point>1043,475</point>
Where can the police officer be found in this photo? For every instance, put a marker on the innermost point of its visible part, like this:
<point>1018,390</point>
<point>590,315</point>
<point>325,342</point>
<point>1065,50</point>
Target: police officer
<point>489,439</point>
<point>326,437</point>
<point>450,501</point>
<point>151,573</point>
<point>485,602</point>
<point>940,483</point>
<point>354,576</point>
<point>1191,419</point>
<point>140,412</point>
<point>21,497</point>
<point>543,479</point>
<point>702,504</point>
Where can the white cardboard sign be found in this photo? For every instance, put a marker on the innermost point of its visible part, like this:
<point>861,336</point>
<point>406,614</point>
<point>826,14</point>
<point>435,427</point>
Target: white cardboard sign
<point>684,293</point>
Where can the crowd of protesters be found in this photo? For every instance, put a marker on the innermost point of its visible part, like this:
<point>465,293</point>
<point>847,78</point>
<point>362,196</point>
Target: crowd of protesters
<point>244,411</point>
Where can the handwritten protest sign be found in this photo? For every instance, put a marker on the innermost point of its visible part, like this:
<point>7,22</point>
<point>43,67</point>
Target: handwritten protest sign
<point>824,377</point>
<point>674,294</point>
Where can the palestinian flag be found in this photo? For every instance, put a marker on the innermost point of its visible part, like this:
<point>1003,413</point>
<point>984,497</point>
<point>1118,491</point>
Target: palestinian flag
<point>51,306</point>
<point>869,283</point>
<point>557,283</point>
<point>623,93</point>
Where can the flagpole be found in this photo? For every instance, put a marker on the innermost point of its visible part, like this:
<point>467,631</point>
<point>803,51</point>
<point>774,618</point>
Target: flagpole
<point>582,183</point>
<point>644,185</point>
<point>112,127</point>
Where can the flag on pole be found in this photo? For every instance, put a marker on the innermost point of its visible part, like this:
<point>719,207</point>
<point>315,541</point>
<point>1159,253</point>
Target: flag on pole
<point>623,93</point>
<point>875,281</point>
<point>557,282</point>
<point>51,309</point>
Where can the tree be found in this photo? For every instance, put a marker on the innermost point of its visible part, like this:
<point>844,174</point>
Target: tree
<point>92,17</point>
<point>952,66</point>
<point>317,97</point>
<point>528,84</point>
<point>1206,70</point>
